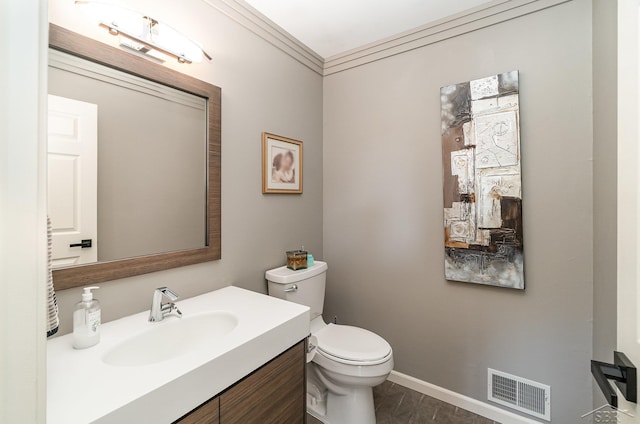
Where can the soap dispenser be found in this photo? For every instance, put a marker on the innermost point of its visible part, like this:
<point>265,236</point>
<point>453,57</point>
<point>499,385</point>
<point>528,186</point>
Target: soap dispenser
<point>86,320</point>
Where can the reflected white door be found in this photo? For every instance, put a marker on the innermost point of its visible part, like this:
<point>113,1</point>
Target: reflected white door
<point>628,193</point>
<point>73,180</point>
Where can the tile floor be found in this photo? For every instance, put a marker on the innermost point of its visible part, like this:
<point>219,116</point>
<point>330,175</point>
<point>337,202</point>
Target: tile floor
<point>396,404</point>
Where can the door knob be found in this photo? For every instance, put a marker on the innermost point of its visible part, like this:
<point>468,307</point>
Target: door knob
<point>84,244</point>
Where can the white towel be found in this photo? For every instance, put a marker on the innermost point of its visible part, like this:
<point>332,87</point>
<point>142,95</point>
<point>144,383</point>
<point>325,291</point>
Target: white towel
<point>52,303</point>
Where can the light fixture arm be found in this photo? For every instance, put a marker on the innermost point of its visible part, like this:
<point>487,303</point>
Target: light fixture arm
<point>115,30</point>
<point>148,36</point>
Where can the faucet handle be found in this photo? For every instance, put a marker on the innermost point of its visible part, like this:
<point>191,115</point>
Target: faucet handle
<point>169,308</point>
<point>168,293</point>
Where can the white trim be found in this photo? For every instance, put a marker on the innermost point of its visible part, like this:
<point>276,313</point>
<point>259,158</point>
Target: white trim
<point>628,228</point>
<point>245,15</point>
<point>23,211</point>
<point>480,17</point>
<point>489,14</point>
<point>486,410</point>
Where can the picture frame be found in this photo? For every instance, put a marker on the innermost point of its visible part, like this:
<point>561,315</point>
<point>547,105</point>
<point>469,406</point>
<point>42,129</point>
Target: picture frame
<point>282,165</point>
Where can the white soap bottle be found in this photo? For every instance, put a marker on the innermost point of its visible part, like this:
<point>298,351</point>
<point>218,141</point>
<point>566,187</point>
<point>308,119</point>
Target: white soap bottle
<point>86,321</point>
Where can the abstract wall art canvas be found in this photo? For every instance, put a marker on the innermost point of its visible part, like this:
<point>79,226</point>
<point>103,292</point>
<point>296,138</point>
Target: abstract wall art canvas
<point>482,181</point>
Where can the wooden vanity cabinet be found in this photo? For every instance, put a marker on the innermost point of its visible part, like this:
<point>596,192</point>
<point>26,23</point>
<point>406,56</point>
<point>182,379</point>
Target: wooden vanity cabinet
<point>275,393</point>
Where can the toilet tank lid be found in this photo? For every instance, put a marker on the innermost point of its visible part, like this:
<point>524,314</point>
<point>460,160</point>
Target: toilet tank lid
<point>284,275</point>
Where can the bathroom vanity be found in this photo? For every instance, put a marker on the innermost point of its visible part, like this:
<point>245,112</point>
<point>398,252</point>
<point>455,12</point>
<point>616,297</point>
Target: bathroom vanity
<point>236,356</point>
<point>274,393</point>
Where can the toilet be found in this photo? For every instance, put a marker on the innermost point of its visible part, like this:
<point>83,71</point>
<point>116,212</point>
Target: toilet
<point>344,362</point>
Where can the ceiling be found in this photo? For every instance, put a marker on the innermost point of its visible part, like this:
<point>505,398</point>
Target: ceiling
<point>331,27</point>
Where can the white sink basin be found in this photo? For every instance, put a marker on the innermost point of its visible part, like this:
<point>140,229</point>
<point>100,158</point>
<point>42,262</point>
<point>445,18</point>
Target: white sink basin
<point>171,338</point>
<point>161,370</point>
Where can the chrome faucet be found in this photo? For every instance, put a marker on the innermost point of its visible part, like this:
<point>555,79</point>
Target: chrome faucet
<point>158,309</point>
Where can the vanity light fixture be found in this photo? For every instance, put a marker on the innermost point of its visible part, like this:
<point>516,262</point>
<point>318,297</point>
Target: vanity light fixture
<point>144,34</point>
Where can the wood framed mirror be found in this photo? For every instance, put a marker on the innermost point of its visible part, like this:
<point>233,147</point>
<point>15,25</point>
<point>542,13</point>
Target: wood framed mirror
<point>63,40</point>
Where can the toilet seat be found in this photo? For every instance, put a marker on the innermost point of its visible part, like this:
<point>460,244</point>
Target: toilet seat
<point>352,345</point>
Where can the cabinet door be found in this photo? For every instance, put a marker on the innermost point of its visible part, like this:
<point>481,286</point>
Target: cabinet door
<point>273,394</point>
<point>207,413</point>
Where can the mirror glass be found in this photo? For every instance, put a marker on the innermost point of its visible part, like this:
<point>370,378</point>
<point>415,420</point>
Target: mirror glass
<point>127,164</point>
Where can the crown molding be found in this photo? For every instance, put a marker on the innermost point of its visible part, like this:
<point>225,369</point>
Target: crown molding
<point>245,15</point>
<point>471,20</point>
<point>474,19</point>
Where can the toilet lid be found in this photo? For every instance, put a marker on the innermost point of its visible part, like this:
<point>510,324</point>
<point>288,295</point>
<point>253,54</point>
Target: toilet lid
<point>352,343</point>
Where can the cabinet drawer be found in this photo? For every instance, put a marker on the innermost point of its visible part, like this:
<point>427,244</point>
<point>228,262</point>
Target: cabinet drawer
<point>273,394</point>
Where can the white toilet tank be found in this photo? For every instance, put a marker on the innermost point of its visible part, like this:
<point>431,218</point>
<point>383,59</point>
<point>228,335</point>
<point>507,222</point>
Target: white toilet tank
<point>305,286</point>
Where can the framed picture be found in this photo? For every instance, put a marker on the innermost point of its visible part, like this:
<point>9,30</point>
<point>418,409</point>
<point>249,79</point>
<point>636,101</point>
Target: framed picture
<point>281,165</point>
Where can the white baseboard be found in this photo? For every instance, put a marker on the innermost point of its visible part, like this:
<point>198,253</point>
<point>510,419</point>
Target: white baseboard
<point>472,405</point>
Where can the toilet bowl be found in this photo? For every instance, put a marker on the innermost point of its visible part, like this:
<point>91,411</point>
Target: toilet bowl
<point>349,362</point>
<point>345,362</point>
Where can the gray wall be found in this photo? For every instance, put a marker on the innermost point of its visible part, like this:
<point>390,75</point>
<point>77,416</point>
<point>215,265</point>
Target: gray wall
<point>263,89</point>
<point>604,182</point>
<point>383,236</point>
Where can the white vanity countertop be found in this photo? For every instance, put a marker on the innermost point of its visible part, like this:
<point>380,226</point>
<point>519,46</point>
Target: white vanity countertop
<point>81,388</point>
